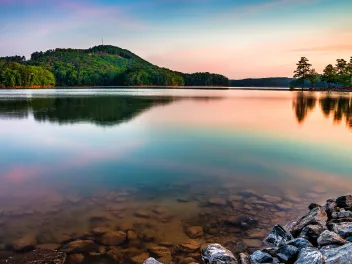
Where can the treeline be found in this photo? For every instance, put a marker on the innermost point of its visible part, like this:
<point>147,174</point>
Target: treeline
<point>112,66</point>
<point>339,75</point>
<point>13,74</point>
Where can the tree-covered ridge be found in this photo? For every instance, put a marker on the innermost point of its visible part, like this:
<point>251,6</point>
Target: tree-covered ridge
<point>112,66</point>
<point>13,74</point>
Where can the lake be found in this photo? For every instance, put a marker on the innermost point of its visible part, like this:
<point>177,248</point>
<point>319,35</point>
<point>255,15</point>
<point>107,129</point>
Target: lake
<point>157,163</point>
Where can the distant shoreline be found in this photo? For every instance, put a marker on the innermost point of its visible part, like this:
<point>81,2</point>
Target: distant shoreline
<point>346,89</point>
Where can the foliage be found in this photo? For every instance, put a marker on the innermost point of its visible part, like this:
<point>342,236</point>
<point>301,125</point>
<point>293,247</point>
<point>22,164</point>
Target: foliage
<point>329,75</point>
<point>18,59</point>
<point>302,71</point>
<point>113,66</point>
<point>13,74</point>
<point>313,77</point>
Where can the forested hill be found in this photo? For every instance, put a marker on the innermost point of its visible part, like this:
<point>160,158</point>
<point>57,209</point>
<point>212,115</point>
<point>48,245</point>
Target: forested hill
<point>99,66</point>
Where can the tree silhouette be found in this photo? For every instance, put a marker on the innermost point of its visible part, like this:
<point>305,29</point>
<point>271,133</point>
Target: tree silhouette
<point>302,71</point>
<point>302,105</point>
<point>329,75</point>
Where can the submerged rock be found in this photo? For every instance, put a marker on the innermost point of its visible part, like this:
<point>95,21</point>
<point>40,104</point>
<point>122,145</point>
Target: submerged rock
<point>217,254</point>
<point>217,201</point>
<point>24,243</point>
<point>278,236</point>
<point>79,246</point>
<point>194,231</point>
<point>114,238</point>
<point>310,255</point>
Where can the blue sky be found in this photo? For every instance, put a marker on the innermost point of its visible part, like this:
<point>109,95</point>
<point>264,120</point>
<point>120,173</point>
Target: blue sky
<point>237,38</point>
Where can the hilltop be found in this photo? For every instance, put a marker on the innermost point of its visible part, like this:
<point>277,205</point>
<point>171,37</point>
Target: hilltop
<point>97,66</point>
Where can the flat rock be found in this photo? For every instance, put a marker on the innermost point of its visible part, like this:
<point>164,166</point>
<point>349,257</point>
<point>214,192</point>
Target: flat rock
<point>310,255</point>
<point>189,246</point>
<point>215,253</point>
<point>113,238</point>
<point>217,201</point>
<point>194,231</point>
<point>328,238</point>
<point>142,214</point>
<point>272,199</point>
<point>339,255</point>
<point>24,243</point>
<point>278,236</point>
<point>315,216</point>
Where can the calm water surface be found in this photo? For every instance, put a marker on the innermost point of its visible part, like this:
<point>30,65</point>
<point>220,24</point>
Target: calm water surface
<point>158,161</point>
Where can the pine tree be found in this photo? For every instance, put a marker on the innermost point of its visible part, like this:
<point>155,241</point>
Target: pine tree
<point>329,75</point>
<point>302,71</point>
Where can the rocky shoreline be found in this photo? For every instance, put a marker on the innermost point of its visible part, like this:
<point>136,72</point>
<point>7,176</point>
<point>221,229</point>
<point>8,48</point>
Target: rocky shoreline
<point>323,236</point>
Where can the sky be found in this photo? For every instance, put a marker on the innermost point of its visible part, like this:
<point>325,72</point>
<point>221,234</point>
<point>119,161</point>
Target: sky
<point>237,38</point>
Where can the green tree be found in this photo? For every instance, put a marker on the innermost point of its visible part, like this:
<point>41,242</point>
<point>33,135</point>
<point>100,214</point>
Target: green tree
<point>302,71</point>
<point>329,75</point>
<point>313,78</point>
<point>342,69</point>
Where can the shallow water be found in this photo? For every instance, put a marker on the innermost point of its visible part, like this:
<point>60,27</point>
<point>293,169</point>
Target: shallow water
<point>154,160</point>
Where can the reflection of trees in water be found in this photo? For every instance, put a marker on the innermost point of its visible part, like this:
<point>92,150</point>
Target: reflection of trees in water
<point>303,104</point>
<point>100,110</point>
<point>340,107</point>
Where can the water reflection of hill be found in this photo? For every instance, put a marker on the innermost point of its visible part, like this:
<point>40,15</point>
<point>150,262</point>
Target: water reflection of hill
<point>339,107</point>
<point>100,110</point>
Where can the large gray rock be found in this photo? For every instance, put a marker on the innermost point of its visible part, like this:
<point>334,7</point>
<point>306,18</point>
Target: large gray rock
<point>310,255</point>
<point>300,243</point>
<point>261,257</point>
<point>278,236</point>
<point>330,207</point>
<point>329,238</point>
<point>344,201</point>
<point>316,216</point>
<point>287,253</point>
<point>341,214</point>
<point>344,229</point>
<point>217,254</point>
<point>339,255</point>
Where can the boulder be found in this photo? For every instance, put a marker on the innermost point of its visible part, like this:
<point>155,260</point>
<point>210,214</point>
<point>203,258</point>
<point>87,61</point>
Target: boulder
<point>194,231</point>
<point>287,253</point>
<point>344,229</point>
<point>344,201</point>
<point>341,214</point>
<point>327,238</point>
<point>310,255</point>
<point>330,207</point>
<point>217,201</point>
<point>25,243</point>
<point>278,236</point>
<point>300,243</point>
<point>316,216</point>
<point>339,255</point>
<point>217,254</point>
<point>113,238</point>
<point>244,258</point>
<point>261,257</point>
<point>139,259</point>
